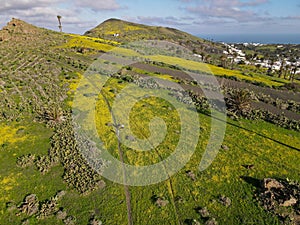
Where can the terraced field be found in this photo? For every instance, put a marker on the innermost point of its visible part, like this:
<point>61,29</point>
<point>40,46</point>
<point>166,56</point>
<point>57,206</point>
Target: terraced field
<point>40,150</point>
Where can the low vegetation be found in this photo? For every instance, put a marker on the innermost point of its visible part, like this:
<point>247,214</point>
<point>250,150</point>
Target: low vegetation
<point>45,179</point>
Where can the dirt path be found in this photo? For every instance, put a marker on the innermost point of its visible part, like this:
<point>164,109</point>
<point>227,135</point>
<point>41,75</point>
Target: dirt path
<point>126,187</point>
<point>280,94</point>
<point>275,110</point>
<point>170,184</point>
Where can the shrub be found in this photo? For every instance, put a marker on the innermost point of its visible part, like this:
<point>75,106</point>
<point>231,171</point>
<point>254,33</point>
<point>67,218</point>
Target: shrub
<point>30,206</point>
<point>44,163</point>
<point>25,160</point>
<point>48,208</point>
<point>239,102</point>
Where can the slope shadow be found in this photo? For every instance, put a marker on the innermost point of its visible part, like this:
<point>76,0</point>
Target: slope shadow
<point>264,136</point>
<point>251,131</point>
<point>253,181</point>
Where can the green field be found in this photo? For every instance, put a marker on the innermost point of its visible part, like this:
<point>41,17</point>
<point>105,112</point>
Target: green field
<point>39,81</point>
<point>264,145</point>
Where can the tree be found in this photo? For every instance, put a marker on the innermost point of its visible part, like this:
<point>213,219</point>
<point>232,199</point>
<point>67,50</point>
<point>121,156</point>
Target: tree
<point>208,58</point>
<point>203,56</point>
<point>59,22</point>
<point>234,56</point>
<point>270,70</point>
<point>239,102</point>
<point>281,68</point>
<point>224,61</point>
<point>293,74</point>
<point>287,70</point>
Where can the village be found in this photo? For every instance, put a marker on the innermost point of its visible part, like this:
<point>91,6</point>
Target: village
<point>275,64</point>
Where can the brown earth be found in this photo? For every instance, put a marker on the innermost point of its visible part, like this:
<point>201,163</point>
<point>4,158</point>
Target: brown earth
<point>280,94</point>
<point>18,30</point>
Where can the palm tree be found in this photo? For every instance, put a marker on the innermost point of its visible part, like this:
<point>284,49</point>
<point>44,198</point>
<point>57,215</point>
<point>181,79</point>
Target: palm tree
<point>239,102</point>
<point>203,56</point>
<point>208,58</point>
<point>293,74</point>
<point>287,71</point>
<point>52,115</point>
<point>234,55</point>
<point>59,22</point>
<point>224,61</point>
<point>281,68</point>
<point>270,70</point>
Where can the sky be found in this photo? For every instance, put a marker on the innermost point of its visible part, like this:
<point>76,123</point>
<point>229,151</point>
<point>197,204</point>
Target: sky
<point>193,16</point>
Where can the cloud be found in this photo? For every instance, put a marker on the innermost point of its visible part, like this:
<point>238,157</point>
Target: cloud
<point>161,21</point>
<point>99,5</point>
<point>43,13</point>
<point>234,9</point>
<point>12,5</point>
<point>212,21</point>
<point>291,18</point>
<point>253,3</point>
<point>228,2</point>
<point>220,12</point>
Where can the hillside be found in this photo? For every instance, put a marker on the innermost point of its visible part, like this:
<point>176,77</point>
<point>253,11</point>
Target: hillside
<point>123,31</point>
<point>19,30</point>
<point>46,178</point>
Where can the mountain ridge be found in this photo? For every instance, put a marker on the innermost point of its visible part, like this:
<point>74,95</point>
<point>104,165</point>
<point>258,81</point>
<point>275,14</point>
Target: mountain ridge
<point>124,32</point>
<point>19,30</point>
<point>117,30</point>
<point>17,26</point>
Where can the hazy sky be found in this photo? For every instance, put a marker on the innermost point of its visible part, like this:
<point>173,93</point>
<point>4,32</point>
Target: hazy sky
<point>194,16</point>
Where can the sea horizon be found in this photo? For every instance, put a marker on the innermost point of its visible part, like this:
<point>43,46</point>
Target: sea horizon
<point>253,38</point>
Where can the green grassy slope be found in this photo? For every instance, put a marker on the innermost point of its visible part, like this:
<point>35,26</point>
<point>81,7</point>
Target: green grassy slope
<point>45,70</point>
<point>130,32</point>
<point>133,32</point>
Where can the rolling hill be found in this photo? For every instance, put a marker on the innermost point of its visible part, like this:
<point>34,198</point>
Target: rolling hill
<point>44,178</point>
<point>123,31</point>
<point>19,30</point>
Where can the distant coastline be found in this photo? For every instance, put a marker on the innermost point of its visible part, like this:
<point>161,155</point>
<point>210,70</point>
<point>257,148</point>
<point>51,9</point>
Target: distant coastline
<point>254,38</point>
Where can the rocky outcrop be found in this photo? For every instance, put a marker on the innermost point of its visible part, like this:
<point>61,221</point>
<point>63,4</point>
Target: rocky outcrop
<point>19,30</point>
<point>282,198</point>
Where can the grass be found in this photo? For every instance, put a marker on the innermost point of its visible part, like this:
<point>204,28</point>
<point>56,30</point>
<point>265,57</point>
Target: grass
<point>17,182</point>
<point>99,40</point>
<point>215,70</point>
<point>271,149</point>
<point>97,44</point>
<point>139,120</point>
<point>158,75</point>
<point>223,177</point>
<point>9,135</point>
<point>126,28</point>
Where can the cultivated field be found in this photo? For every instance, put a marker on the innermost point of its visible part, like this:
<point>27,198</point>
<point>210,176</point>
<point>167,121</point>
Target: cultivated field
<point>45,179</point>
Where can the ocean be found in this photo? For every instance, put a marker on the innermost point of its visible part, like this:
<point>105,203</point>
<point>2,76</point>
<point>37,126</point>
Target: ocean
<point>254,38</point>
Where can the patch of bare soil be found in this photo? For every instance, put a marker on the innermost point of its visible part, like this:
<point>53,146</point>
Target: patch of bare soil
<point>281,198</point>
<point>275,110</point>
<point>19,30</point>
<point>274,93</point>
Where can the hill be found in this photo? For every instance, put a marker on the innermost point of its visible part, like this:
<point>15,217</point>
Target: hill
<point>44,178</point>
<point>123,31</point>
<point>19,30</point>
